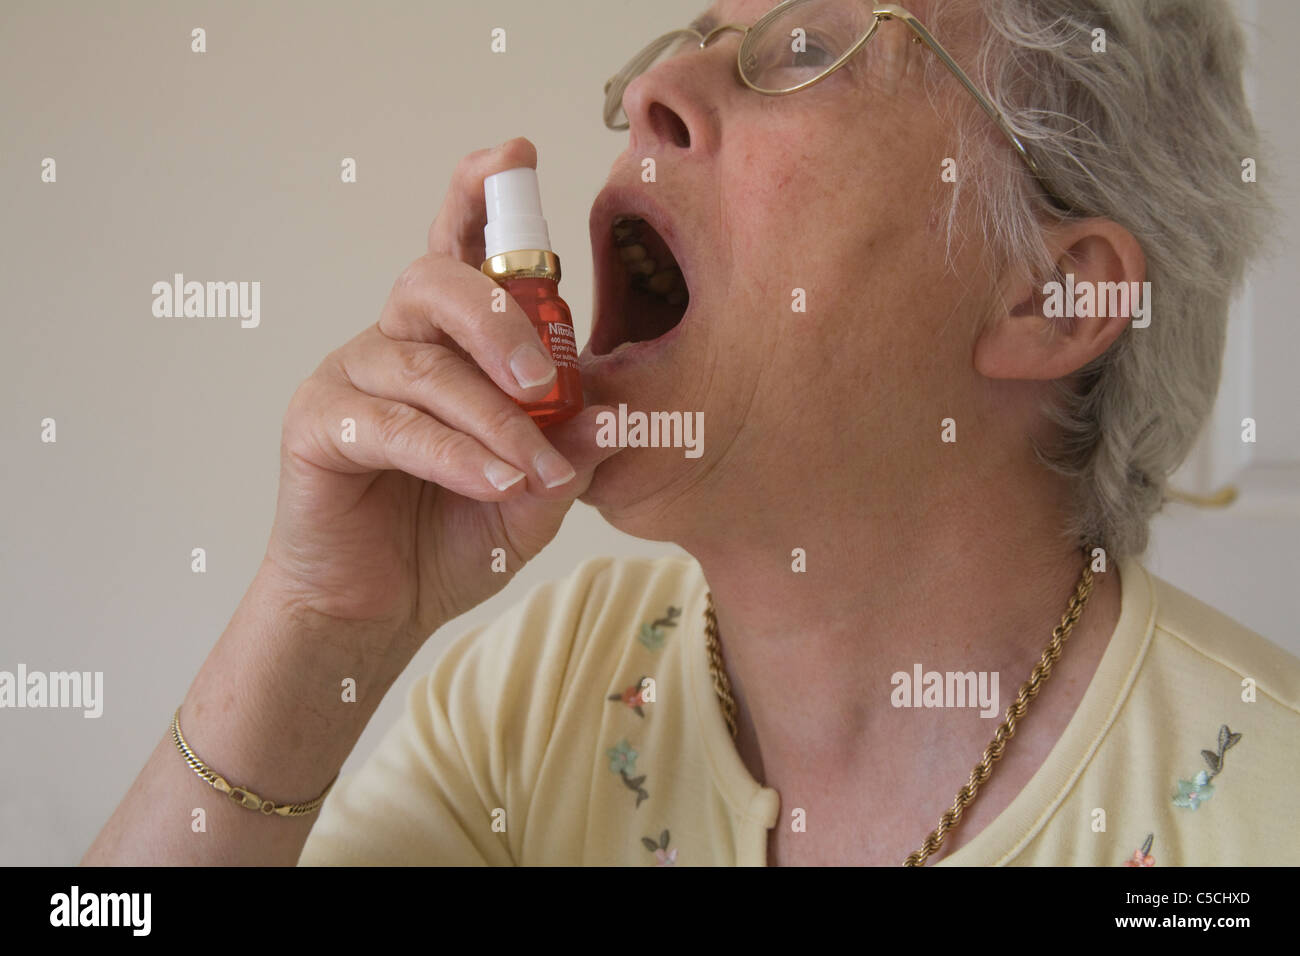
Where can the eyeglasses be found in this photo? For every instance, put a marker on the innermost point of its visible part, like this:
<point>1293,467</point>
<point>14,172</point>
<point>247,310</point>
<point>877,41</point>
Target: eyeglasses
<point>799,43</point>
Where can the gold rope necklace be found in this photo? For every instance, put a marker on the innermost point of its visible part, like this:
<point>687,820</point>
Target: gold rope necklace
<point>992,753</point>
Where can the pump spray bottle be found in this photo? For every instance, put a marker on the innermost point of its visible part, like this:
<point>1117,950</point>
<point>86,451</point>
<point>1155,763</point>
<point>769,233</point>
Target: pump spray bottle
<point>520,259</point>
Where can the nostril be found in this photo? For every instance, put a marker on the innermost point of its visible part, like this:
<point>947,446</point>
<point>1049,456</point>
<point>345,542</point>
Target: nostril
<point>669,125</point>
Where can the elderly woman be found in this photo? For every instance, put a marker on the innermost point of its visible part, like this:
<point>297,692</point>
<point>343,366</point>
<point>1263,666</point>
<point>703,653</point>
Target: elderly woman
<point>953,300</point>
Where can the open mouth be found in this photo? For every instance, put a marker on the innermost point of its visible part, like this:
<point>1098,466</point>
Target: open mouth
<point>649,293</point>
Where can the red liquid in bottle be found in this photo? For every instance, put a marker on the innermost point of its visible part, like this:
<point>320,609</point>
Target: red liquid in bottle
<point>540,299</point>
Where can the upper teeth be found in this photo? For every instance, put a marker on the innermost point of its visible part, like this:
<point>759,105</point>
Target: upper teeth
<point>625,231</point>
<point>666,282</point>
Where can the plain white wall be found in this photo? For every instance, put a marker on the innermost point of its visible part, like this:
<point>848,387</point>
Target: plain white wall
<point>1245,559</point>
<point>225,166</point>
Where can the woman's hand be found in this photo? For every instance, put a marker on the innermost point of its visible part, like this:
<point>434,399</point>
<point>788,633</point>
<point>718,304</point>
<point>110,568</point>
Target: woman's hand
<point>397,528</point>
<point>376,543</point>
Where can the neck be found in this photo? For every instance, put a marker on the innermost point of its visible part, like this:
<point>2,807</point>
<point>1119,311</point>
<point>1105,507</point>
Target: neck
<point>977,585</point>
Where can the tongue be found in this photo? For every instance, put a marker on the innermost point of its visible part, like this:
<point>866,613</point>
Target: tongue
<point>649,316</point>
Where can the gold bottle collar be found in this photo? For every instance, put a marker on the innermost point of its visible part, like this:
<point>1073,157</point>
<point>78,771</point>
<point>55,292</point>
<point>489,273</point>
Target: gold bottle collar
<point>523,264</point>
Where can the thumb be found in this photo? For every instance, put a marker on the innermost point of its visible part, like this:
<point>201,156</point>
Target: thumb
<point>575,439</point>
<point>458,229</point>
<point>535,521</point>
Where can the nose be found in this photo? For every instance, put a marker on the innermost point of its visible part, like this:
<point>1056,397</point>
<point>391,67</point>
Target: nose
<point>677,104</point>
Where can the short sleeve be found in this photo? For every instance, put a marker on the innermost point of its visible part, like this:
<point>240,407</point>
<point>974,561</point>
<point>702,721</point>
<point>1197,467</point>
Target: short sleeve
<point>451,782</point>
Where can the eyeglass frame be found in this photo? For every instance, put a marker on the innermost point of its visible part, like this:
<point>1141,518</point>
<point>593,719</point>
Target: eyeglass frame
<point>880,13</point>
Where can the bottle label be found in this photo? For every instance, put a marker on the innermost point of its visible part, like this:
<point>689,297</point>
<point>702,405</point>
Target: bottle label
<point>564,348</point>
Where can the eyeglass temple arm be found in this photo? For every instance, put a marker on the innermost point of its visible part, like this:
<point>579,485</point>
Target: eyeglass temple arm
<point>897,13</point>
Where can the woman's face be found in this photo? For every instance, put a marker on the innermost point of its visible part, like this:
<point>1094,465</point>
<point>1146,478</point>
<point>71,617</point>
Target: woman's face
<point>834,190</point>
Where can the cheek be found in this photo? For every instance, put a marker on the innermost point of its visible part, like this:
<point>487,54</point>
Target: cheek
<point>803,210</point>
<point>776,171</point>
<point>785,229</point>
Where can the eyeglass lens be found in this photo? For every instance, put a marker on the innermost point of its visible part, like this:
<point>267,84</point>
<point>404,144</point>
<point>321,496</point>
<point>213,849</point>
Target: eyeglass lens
<point>796,46</point>
<point>802,42</point>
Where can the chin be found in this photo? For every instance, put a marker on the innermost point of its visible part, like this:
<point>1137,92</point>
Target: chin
<point>625,490</point>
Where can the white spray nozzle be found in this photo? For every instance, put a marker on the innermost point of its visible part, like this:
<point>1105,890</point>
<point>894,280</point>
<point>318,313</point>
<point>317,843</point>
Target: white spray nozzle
<point>514,212</point>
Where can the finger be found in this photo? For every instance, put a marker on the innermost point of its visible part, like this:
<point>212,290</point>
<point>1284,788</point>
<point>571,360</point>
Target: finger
<point>575,439</point>
<point>534,523</point>
<point>458,229</point>
<point>437,299</point>
<point>347,431</point>
<point>442,384</point>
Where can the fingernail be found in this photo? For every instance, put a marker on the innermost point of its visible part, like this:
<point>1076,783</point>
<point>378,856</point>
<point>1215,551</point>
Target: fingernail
<point>531,367</point>
<point>501,475</point>
<point>553,469</point>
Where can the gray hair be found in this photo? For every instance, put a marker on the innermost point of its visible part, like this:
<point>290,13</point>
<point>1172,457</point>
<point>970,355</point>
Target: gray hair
<point>1151,134</point>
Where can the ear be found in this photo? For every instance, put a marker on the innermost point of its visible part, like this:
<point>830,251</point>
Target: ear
<point>1032,336</point>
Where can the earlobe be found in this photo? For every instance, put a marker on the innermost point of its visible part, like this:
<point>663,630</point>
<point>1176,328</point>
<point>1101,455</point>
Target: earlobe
<point>1051,329</point>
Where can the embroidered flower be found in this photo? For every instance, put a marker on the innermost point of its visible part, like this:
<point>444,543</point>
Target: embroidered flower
<point>632,697</point>
<point>664,855</point>
<point>1142,856</point>
<point>622,757</point>
<point>1192,793</point>
<point>653,635</point>
<point>622,761</point>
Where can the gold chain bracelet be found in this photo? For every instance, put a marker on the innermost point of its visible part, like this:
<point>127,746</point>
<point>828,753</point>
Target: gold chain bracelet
<point>240,795</point>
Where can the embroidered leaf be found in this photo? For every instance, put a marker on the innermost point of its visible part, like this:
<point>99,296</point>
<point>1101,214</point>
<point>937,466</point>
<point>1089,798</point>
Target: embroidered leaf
<point>634,783</point>
<point>639,711</point>
<point>1212,759</point>
<point>1146,845</point>
<point>614,697</point>
<point>649,844</point>
<point>1232,739</point>
<point>1223,738</point>
<point>663,839</point>
<point>668,621</point>
<point>640,795</point>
